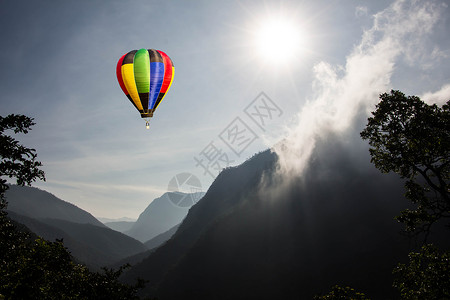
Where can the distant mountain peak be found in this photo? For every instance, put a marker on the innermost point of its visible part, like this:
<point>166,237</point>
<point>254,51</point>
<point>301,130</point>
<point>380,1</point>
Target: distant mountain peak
<point>162,214</point>
<point>122,219</point>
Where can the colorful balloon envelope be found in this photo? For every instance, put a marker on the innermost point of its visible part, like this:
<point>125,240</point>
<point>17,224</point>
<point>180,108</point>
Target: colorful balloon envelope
<point>145,76</point>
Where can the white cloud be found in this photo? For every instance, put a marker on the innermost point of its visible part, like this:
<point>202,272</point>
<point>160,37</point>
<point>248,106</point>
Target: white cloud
<point>340,91</point>
<point>439,97</point>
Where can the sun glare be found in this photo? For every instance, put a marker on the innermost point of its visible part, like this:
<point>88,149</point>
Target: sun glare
<point>279,40</point>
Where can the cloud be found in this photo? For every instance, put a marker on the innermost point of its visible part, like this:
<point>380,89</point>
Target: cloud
<point>439,97</point>
<point>340,92</point>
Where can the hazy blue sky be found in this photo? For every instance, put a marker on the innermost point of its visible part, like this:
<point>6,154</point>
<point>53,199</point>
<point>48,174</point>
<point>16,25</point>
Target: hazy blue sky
<point>58,63</point>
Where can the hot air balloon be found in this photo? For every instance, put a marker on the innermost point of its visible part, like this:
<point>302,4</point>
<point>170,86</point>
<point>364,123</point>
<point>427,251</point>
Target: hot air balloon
<point>145,76</point>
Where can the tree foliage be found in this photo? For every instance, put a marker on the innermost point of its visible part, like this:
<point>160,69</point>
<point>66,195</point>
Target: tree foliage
<point>17,161</point>
<point>411,138</point>
<point>39,269</point>
<point>427,276</point>
<point>342,293</point>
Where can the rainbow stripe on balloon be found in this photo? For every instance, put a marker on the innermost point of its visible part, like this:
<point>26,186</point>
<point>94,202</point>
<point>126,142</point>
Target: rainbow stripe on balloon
<point>145,76</point>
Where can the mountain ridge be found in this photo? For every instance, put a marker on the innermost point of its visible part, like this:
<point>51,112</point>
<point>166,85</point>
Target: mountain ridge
<point>89,240</point>
<point>36,203</point>
<point>257,235</point>
<point>94,246</point>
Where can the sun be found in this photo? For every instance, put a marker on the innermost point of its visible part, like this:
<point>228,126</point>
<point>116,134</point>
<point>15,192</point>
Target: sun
<point>279,40</point>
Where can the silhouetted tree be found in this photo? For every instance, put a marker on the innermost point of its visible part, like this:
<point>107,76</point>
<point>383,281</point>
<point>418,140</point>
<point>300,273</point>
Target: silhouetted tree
<point>342,293</point>
<point>45,270</point>
<point>427,276</point>
<point>17,161</point>
<point>411,138</point>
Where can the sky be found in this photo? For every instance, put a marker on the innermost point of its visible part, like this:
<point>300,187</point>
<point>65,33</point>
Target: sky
<point>248,74</point>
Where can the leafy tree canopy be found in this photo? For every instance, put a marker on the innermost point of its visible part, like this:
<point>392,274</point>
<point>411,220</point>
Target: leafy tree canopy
<point>427,276</point>
<point>342,293</point>
<point>411,138</point>
<point>16,160</point>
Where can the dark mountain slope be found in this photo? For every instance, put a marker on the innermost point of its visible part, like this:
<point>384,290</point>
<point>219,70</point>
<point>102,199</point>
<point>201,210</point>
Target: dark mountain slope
<point>82,252</point>
<point>225,192</point>
<point>292,238</point>
<point>132,260</point>
<point>161,238</point>
<point>151,246</point>
<point>36,203</point>
<point>106,240</point>
<point>297,245</point>
<point>94,246</point>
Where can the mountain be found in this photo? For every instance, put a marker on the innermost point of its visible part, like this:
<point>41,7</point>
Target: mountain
<point>123,219</point>
<point>151,246</point>
<point>38,204</point>
<point>89,244</point>
<point>161,238</point>
<point>89,240</point>
<point>258,234</point>
<point>115,244</point>
<point>132,260</point>
<point>120,226</point>
<point>160,215</point>
<point>221,197</point>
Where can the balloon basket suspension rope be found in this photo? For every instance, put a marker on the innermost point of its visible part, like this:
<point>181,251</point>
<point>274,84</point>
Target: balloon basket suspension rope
<point>146,117</point>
